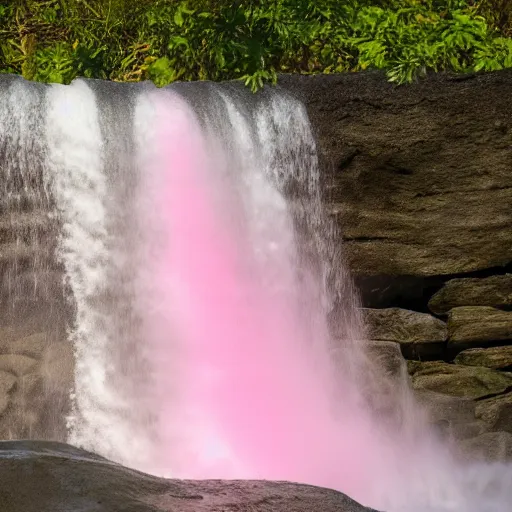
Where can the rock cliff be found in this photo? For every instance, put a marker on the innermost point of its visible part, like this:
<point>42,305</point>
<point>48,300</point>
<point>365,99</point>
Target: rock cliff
<point>419,181</point>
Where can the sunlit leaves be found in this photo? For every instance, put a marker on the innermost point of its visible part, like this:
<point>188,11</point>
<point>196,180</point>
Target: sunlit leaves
<point>251,40</point>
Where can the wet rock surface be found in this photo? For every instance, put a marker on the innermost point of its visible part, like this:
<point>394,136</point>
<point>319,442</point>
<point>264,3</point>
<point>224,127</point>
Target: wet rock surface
<point>419,183</point>
<point>52,477</point>
<point>417,178</point>
<point>458,380</point>
<point>36,377</point>
<point>490,447</point>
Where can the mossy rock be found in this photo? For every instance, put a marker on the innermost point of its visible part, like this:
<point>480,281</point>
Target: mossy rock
<point>457,380</point>
<point>498,358</point>
<point>478,325</point>
<point>493,291</point>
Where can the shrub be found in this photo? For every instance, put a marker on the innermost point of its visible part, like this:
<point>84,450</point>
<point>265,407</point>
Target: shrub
<point>252,40</point>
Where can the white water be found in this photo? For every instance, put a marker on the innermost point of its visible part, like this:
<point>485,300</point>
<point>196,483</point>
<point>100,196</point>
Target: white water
<point>253,154</point>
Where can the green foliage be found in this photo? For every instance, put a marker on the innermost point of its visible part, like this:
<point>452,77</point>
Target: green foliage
<point>498,14</point>
<point>252,40</point>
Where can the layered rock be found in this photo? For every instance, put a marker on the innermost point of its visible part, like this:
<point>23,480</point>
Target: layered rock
<point>404,326</point>
<point>478,324</point>
<point>454,417</point>
<point>456,380</point>
<point>499,358</point>
<point>420,184</point>
<point>495,291</point>
<point>418,178</point>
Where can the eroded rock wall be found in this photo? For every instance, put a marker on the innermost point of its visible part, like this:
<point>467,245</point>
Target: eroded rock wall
<point>419,181</point>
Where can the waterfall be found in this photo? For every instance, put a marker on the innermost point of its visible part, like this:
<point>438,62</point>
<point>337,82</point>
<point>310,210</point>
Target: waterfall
<point>215,328</point>
<point>32,304</point>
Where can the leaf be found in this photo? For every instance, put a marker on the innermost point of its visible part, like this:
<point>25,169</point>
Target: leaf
<point>479,65</point>
<point>178,17</point>
<point>176,41</point>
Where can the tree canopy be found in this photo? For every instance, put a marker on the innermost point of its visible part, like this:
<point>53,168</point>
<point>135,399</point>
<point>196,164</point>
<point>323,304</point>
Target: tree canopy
<point>253,40</point>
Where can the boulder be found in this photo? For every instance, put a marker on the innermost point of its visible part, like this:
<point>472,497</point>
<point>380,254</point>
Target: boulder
<point>51,476</point>
<point>499,358</point>
<point>458,380</point>
<point>404,326</point>
<point>495,291</point>
<point>478,324</point>
<point>417,178</point>
<point>496,412</point>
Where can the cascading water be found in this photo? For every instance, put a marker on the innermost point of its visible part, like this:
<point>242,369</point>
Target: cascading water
<point>203,279</point>
<point>32,303</point>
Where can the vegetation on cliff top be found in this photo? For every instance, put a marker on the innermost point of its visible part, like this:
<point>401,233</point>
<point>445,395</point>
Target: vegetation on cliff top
<point>254,40</point>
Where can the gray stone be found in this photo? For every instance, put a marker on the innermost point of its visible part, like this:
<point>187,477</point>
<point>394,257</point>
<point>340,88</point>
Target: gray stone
<point>442,407</point>
<point>52,477</point>
<point>478,324</point>
<point>490,446</point>
<point>496,412</point>
<point>492,357</point>
<point>492,291</point>
<point>467,430</point>
<point>388,357</point>
<point>452,416</point>
<point>458,380</point>
<point>419,180</point>
<point>404,326</point>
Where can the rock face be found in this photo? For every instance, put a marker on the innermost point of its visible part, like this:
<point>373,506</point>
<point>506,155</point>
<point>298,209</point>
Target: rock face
<point>493,291</point>
<point>418,178</point>
<point>7,382</point>
<point>491,446</point>
<point>479,324</point>
<point>387,356</point>
<point>496,412</point>
<point>457,380</point>
<point>419,183</point>
<point>499,358</point>
<point>403,326</point>
<point>453,416</point>
<point>36,375</point>
<point>49,477</point>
